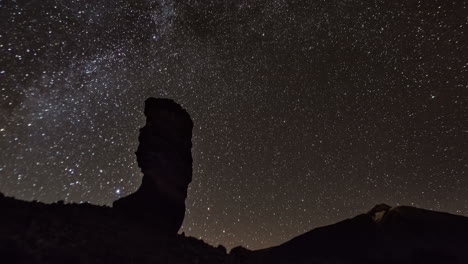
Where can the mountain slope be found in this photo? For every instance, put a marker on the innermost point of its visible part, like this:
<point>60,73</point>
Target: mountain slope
<point>384,235</point>
<point>32,232</point>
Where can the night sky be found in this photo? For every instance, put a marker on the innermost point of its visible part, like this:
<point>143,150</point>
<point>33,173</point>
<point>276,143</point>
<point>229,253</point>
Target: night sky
<point>305,112</point>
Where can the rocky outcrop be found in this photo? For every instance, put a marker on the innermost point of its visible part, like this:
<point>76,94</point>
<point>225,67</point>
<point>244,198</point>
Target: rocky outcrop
<point>164,156</point>
<point>37,233</point>
<point>139,228</point>
<point>142,227</point>
<point>32,232</point>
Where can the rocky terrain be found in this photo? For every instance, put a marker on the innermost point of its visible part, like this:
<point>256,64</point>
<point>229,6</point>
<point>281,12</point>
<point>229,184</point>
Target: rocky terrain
<point>139,228</point>
<point>32,232</point>
<point>142,227</point>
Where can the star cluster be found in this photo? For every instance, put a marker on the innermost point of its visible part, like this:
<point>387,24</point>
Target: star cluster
<point>305,112</point>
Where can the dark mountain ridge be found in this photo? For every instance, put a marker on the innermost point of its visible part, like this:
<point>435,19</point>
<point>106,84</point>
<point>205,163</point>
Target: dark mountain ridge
<point>34,232</point>
<point>142,227</point>
<point>385,234</point>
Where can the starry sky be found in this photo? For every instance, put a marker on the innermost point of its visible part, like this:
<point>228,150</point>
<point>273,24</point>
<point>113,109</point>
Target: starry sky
<point>305,112</point>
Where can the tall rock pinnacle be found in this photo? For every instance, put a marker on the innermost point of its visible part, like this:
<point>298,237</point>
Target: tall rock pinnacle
<point>165,158</point>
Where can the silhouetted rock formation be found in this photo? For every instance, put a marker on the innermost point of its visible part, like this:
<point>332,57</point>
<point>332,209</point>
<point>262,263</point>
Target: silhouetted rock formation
<point>32,232</point>
<point>36,233</point>
<point>400,235</point>
<point>142,227</point>
<point>164,156</point>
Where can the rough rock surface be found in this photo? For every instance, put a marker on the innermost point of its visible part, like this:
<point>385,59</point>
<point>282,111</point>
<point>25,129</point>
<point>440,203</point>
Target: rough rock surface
<point>164,156</point>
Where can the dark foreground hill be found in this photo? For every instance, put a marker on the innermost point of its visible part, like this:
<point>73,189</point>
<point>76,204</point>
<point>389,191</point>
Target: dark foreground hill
<point>400,234</point>
<point>142,227</point>
<point>32,232</point>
